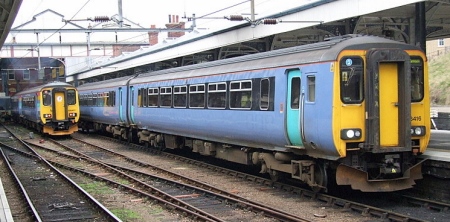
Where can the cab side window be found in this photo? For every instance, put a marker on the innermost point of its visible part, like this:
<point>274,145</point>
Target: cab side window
<point>71,97</point>
<point>46,98</point>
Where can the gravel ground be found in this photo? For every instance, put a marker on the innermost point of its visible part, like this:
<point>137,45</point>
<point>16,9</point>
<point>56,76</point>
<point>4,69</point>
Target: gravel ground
<point>310,209</point>
<point>132,208</point>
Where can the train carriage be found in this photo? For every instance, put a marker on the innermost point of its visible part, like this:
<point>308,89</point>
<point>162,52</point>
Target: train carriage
<point>353,108</point>
<point>52,108</point>
<point>104,106</point>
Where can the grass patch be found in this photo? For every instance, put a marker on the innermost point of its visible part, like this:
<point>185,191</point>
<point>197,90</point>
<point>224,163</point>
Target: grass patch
<point>156,210</point>
<point>96,188</point>
<point>125,214</point>
<point>124,181</point>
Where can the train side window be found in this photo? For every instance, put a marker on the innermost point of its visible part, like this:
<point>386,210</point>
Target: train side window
<point>217,94</point>
<point>295,92</point>
<point>264,94</point>
<point>140,97</point>
<point>179,96</point>
<point>101,100</point>
<point>95,99</point>
<point>71,97</point>
<point>416,79</point>
<point>28,102</point>
<point>131,96</point>
<point>153,97</point>
<point>311,88</point>
<point>84,99</point>
<point>80,98</point>
<point>352,80</point>
<point>107,102</point>
<point>46,98</point>
<point>241,94</point>
<point>197,96</point>
<point>90,100</point>
<point>166,96</point>
<point>113,98</point>
<point>144,97</point>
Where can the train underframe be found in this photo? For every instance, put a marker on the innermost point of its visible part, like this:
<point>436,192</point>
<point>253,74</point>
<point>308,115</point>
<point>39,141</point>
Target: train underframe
<point>316,173</point>
<point>59,128</point>
<point>276,164</point>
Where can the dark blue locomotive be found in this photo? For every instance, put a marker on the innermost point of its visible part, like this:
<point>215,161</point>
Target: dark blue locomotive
<point>352,108</point>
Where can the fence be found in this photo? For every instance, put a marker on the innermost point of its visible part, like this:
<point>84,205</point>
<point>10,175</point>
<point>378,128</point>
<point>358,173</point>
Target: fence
<point>441,121</point>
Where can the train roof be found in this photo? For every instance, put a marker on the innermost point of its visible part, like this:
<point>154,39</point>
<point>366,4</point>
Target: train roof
<point>38,88</point>
<point>327,50</point>
<point>312,53</point>
<point>121,81</point>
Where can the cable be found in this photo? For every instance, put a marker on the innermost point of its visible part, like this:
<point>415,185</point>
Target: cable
<point>65,23</point>
<point>224,9</point>
<point>123,46</point>
<point>55,31</point>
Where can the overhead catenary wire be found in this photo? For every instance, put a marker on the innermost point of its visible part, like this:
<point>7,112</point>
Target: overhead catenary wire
<point>103,18</point>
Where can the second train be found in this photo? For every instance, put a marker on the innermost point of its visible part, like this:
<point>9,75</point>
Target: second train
<point>52,108</point>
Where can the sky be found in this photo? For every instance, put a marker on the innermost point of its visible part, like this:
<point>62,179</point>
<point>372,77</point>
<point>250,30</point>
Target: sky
<point>154,12</point>
<point>151,13</point>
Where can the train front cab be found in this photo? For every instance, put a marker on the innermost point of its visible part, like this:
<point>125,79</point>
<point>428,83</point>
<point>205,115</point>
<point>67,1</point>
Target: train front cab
<point>382,117</point>
<point>59,110</point>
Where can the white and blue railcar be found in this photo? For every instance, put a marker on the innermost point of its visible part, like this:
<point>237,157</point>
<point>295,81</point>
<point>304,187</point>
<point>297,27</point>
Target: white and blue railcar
<point>105,103</point>
<point>356,107</point>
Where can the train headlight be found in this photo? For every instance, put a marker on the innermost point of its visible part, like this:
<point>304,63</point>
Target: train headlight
<point>47,116</point>
<point>351,134</point>
<point>72,114</point>
<point>417,130</point>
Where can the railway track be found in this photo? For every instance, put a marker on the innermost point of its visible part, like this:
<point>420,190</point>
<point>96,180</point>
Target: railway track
<point>198,197</point>
<point>435,210</point>
<point>119,156</point>
<point>49,194</point>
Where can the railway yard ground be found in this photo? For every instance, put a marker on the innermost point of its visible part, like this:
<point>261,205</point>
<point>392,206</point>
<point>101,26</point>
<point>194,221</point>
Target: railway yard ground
<point>140,184</point>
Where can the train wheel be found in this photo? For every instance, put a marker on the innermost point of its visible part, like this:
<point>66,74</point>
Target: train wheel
<point>274,175</point>
<point>130,136</point>
<point>320,178</point>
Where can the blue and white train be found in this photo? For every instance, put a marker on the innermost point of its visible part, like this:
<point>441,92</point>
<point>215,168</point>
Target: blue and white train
<point>354,109</point>
<point>51,108</point>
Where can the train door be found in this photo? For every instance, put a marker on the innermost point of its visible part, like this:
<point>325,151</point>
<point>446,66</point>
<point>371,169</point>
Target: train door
<point>131,105</point>
<point>59,105</point>
<point>121,105</point>
<point>388,100</point>
<point>388,109</point>
<point>293,110</point>
<point>19,105</point>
